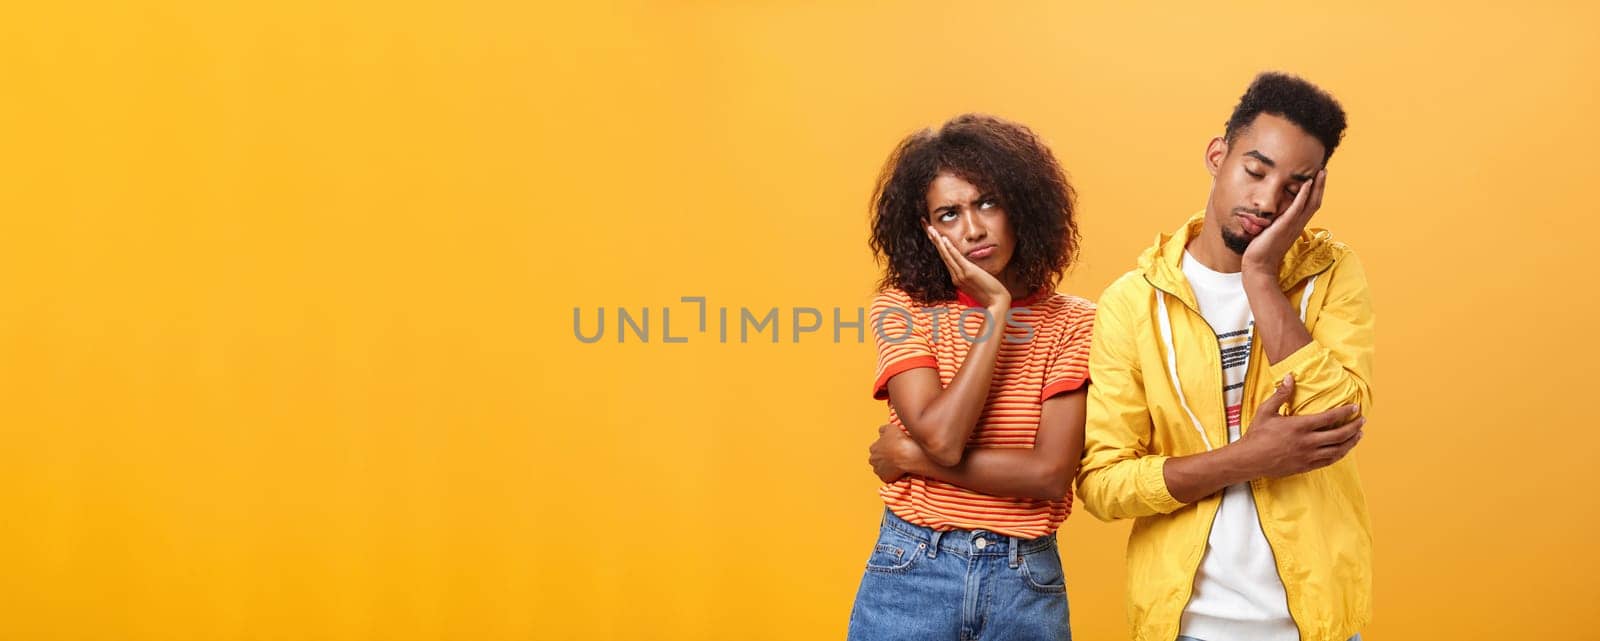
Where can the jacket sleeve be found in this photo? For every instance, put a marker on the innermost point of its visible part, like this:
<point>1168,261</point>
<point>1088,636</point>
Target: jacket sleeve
<point>1119,478</point>
<point>1335,368</point>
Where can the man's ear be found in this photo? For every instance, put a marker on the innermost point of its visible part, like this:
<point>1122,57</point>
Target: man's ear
<point>1215,152</point>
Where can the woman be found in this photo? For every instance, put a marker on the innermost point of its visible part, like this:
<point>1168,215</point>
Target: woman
<point>984,367</point>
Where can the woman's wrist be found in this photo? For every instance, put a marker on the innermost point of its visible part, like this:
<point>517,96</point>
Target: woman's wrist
<point>911,459</point>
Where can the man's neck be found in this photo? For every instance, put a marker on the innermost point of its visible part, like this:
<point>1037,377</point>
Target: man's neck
<point>1213,252</point>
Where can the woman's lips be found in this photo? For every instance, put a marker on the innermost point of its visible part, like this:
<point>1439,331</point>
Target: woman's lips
<point>981,253</point>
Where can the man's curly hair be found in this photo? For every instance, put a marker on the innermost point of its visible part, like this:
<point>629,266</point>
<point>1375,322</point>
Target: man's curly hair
<point>1005,160</point>
<point>1296,100</point>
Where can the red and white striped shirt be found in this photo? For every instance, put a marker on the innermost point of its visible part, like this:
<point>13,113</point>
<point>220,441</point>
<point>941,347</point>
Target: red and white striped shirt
<point>1053,361</point>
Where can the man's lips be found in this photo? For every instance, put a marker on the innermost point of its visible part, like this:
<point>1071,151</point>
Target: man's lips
<point>1253,225</point>
<point>981,252</point>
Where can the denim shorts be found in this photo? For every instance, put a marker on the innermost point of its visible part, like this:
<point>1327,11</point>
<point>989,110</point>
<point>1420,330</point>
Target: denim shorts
<point>965,585</point>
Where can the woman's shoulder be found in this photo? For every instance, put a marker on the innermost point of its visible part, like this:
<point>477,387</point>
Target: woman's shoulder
<point>1065,305</point>
<point>888,295</point>
<point>892,299</point>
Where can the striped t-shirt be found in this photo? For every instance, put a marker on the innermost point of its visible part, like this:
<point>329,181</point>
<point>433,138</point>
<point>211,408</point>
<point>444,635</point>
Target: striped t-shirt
<point>1054,360</point>
<point>1237,591</point>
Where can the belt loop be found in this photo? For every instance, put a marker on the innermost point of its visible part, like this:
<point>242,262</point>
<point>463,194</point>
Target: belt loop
<point>1015,543</point>
<point>933,545</point>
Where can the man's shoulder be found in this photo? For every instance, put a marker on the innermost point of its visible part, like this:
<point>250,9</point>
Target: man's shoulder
<point>1342,252</point>
<point>1335,261</point>
<point>1319,246</point>
<point>1125,292</point>
<point>1347,273</point>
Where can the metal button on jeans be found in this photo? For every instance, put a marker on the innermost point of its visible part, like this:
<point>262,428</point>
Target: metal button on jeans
<point>980,543</point>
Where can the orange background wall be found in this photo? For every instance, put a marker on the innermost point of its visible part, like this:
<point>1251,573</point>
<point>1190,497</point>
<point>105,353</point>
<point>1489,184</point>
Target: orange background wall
<point>286,342</point>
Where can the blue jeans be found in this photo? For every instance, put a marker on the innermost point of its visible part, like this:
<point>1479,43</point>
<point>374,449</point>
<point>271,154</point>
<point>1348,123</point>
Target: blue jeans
<point>962,585</point>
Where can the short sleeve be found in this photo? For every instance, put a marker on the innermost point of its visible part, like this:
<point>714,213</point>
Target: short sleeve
<point>1069,364</point>
<point>902,344</point>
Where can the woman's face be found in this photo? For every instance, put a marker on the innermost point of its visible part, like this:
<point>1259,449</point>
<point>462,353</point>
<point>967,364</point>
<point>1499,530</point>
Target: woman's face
<point>974,221</point>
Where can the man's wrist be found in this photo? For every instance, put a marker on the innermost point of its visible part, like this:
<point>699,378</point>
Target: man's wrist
<point>1260,275</point>
<point>1261,288</point>
<point>1239,462</point>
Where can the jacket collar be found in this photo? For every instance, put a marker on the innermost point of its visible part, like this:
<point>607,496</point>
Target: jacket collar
<point>1162,263</point>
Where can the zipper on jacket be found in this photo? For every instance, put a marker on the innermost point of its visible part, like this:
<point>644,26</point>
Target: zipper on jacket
<point>1277,563</point>
<point>1277,566</point>
<point>1221,388</point>
<point>1222,385</point>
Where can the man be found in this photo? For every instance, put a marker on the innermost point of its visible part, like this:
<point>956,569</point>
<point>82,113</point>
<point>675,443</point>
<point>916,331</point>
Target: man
<point>1247,529</point>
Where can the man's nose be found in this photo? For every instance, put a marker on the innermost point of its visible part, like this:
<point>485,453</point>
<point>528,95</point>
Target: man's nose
<point>1267,203</point>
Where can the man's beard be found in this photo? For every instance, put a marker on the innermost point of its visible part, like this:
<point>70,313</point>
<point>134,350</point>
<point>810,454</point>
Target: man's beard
<point>1236,242</point>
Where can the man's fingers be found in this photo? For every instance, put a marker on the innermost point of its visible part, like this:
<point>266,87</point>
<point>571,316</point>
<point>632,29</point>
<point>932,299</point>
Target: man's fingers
<point>1332,453</point>
<point>1336,416</point>
<point>1338,435</point>
<point>1351,444</point>
<point>1279,397</point>
<point>1320,185</point>
<point>1306,202</point>
<point>1296,208</point>
<point>1302,199</point>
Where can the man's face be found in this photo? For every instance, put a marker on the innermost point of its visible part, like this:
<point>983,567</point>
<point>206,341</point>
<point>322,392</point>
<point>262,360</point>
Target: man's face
<point>973,220</point>
<point>1255,178</point>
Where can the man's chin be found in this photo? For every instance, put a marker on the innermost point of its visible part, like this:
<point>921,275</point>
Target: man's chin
<point>1236,241</point>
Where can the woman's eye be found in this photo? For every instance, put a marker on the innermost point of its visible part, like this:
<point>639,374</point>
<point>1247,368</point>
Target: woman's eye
<point>947,216</point>
<point>988,204</point>
<point>1255,174</point>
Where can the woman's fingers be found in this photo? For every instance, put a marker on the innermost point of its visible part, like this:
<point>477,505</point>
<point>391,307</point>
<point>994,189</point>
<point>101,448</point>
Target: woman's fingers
<point>957,270</point>
<point>947,254</point>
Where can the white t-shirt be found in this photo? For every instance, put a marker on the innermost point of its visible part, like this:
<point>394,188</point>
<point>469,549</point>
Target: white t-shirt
<point>1237,591</point>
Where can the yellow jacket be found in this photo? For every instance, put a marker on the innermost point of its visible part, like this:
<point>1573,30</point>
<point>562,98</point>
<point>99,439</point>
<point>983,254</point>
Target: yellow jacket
<point>1316,522</point>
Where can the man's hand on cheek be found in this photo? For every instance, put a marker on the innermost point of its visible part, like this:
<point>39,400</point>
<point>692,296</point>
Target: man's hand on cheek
<point>1266,251</point>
